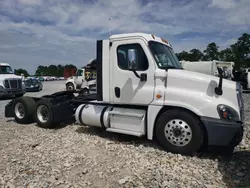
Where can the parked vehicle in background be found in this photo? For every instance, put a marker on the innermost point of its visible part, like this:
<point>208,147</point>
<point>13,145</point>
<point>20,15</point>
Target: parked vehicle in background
<point>41,79</point>
<point>210,67</point>
<point>205,67</point>
<point>84,79</point>
<point>69,72</point>
<point>10,84</point>
<point>33,84</point>
<point>243,77</point>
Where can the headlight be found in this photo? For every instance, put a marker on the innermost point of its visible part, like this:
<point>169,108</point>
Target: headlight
<point>227,113</point>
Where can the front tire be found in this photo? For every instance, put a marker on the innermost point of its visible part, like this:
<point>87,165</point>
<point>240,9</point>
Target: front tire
<point>70,87</point>
<point>179,131</point>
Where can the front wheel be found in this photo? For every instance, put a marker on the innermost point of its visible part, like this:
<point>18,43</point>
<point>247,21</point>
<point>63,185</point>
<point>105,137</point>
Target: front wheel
<point>179,131</point>
<point>70,87</point>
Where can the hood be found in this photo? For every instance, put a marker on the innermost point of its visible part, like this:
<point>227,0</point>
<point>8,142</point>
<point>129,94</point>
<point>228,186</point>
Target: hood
<point>197,90</point>
<point>188,78</point>
<point>4,76</point>
<point>71,77</point>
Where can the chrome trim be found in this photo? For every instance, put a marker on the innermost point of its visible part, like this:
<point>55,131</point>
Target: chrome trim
<point>240,101</point>
<point>13,83</point>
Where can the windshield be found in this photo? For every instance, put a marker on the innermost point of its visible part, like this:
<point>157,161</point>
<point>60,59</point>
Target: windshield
<point>32,81</point>
<point>164,56</point>
<point>79,72</point>
<point>6,70</point>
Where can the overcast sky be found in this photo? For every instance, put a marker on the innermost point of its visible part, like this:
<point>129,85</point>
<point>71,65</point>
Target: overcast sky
<point>43,32</point>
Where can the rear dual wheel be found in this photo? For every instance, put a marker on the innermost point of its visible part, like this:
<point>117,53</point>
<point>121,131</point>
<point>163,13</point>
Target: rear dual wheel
<point>26,110</point>
<point>84,91</point>
<point>179,131</point>
<point>43,114</point>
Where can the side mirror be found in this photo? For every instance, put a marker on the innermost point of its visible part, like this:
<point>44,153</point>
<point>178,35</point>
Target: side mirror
<point>132,59</point>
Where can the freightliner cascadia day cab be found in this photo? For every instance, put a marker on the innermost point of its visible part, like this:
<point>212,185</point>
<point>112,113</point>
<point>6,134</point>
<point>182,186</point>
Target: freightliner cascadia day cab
<point>143,91</point>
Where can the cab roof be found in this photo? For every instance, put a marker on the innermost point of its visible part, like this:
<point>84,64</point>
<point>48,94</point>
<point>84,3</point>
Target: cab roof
<point>4,64</point>
<point>146,36</point>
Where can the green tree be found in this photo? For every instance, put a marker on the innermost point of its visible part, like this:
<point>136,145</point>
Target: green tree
<point>52,70</point>
<point>241,50</point>
<point>183,56</point>
<point>21,71</point>
<point>193,55</point>
<point>226,55</point>
<point>196,55</point>
<point>211,52</point>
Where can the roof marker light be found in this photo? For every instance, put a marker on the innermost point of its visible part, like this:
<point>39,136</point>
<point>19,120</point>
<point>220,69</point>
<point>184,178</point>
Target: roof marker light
<point>165,41</point>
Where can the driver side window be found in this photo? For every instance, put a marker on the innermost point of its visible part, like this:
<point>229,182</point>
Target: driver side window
<point>122,57</point>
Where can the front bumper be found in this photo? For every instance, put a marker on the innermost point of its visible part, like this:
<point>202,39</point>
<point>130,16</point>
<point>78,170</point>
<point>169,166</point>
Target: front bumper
<point>222,133</point>
<point>11,92</point>
<point>32,88</point>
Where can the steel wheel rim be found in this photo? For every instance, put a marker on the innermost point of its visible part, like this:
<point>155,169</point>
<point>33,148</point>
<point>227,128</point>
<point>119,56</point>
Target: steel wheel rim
<point>178,132</point>
<point>19,110</point>
<point>70,87</point>
<point>43,113</point>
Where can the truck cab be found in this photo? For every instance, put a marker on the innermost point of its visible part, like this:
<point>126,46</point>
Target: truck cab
<point>75,82</point>
<point>10,84</point>
<point>141,71</point>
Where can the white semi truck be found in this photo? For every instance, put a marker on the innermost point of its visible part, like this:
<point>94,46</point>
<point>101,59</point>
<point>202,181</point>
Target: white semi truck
<point>84,80</point>
<point>10,84</point>
<point>142,90</point>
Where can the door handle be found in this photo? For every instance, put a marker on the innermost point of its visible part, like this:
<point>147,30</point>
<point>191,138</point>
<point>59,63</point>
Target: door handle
<point>117,92</point>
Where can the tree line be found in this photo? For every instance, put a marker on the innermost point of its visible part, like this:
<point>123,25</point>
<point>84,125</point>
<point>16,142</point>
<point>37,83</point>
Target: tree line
<point>51,70</point>
<point>238,52</point>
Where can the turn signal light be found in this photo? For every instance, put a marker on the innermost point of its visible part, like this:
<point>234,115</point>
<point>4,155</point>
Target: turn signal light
<point>158,96</point>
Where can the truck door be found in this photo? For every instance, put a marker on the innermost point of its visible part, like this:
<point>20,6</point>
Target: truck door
<point>79,77</point>
<point>126,88</point>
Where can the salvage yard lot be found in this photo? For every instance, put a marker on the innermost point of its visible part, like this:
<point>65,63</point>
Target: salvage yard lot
<point>74,156</point>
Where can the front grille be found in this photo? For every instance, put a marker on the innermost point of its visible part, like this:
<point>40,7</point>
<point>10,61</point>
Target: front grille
<point>240,101</point>
<point>13,83</point>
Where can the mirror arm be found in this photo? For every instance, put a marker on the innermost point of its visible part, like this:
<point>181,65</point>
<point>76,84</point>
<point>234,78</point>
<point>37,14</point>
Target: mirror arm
<point>136,74</point>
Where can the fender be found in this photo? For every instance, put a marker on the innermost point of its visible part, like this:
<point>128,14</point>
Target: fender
<point>72,82</point>
<point>154,111</point>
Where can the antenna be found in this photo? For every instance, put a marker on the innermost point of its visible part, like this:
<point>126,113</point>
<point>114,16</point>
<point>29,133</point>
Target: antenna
<point>109,28</point>
<point>95,4</point>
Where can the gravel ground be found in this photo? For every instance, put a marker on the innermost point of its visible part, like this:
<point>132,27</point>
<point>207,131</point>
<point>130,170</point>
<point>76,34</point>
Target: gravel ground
<point>75,156</point>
